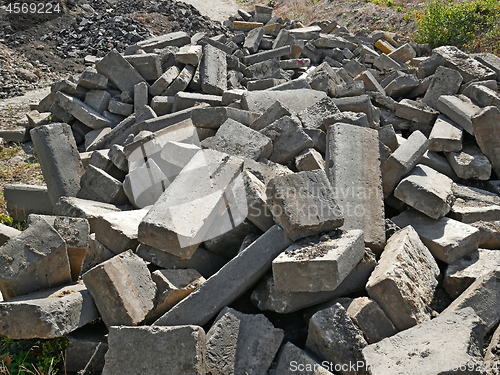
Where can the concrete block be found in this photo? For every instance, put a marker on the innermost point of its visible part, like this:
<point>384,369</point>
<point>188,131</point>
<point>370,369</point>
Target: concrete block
<point>445,342</point>
<point>371,319</point>
<point>251,265</point>
<point>59,159</point>
<point>469,68</point>
<point>346,117</point>
<point>295,63</point>
<point>393,283</point>
<point>118,230</point>
<point>470,163</point>
<point>447,239</point>
<point>82,111</point>
<point>214,117</point>
<point>402,85</point>
<point>260,101</point>
<point>181,82</point>
<point>161,84</point>
<point>122,289</point>
<point>148,65</point>
<point>444,82</point>
<point>47,314</point>
<point>130,350</point>
<point>312,117</point>
<point>189,54</point>
<point>100,186</point>
<point>427,191</point>
<point>402,161</point>
<point>209,172</point>
<point>100,159</point>
<point>93,137</point>
<point>248,343</point>
<point>97,100</point>
<point>445,136</point>
<point>34,260</point>
<point>60,114</point>
<point>68,87</point>
<point>356,180</point>
<point>145,183</point>
<point>175,39</point>
<point>460,109</point>
<point>438,163</point>
<point>486,125</point>
<point>463,273</point>
<point>96,253</point>
<point>187,100</point>
<point>309,160</point>
<point>172,286</point>
<point>23,200</point>
<point>482,296</point>
<point>267,297</point>
<point>203,261</point>
<point>162,105</point>
<point>384,62</point>
<point>292,360</point>
<point>370,83</point>
<point>403,53</point>
<point>334,338</point>
<point>141,96</point>
<point>155,124</point>
<point>253,39</point>
<point>267,55</point>
<point>288,139</point>
<point>303,204</point>
<point>213,71</point>
<point>416,111</point>
<point>359,103</point>
<point>318,264</point>
<point>270,115</point>
<point>117,107</point>
<point>7,233</point>
<point>119,71</point>
<point>92,80</point>
<point>472,205</point>
<point>86,346</point>
<point>237,139</point>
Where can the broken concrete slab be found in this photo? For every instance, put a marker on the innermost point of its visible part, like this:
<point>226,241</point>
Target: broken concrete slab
<point>7,233</point>
<point>92,80</point>
<point>460,109</point>
<point>86,347</point>
<point>102,187</point>
<point>251,264</point>
<point>248,343</point>
<point>470,163</point>
<point>213,70</point>
<point>309,160</point>
<point>47,314</point>
<point>445,81</point>
<point>148,65</point>
<point>23,200</point>
<point>175,39</point>
<point>122,289</point>
<point>392,284</point>
<point>447,239</point>
<point>445,136</point>
<point>317,264</point>
<point>486,124</point>
<point>82,111</point>
<point>472,205</point>
<point>130,350</point>
<point>416,111</point>
<point>292,360</point>
<point>119,71</point>
<point>313,116</point>
<point>34,260</point>
<point>260,101</point>
<point>357,180</point>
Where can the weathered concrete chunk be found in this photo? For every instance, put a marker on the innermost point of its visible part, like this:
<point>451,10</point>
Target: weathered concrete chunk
<point>183,350</point>
<point>253,39</point>
<point>96,253</point>
<point>161,84</point>
<point>309,160</point>
<point>181,82</point>
<point>472,205</point>
<point>47,314</point>
<point>189,54</point>
<point>445,136</point>
<point>248,343</point>
<point>98,100</point>
<point>270,115</point>
<point>100,186</point>
<point>292,360</point>
<point>402,161</point>
<point>61,165</point>
<point>23,200</point>
<point>312,117</point>
<point>148,65</point>
<point>333,337</point>
<point>122,289</point>
<point>482,296</point>
<point>213,70</point>
<point>403,53</point>
<point>462,273</point>
<point>92,80</point>
<point>235,138</point>
<point>371,319</point>
<point>177,223</point>
<point>469,68</point>
<point>404,281</point>
<point>34,260</point>
<point>119,71</point>
<point>118,230</point>
<point>288,137</point>
<point>175,39</point>
<point>427,191</point>
<point>416,112</point>
<point>356,180</point>
<point>86,346</point>
<point>444,82</point>
<point>82,111</point>
<point>222,288</point>
<point>447,239</point>
<point>486,129</point>
<point>470,163</point>
<point>7,233</point>
<point>320,263</point>
<point>259,101</point>
<point>442,344</point>
<point>303,204</point>
<point>460,109</point>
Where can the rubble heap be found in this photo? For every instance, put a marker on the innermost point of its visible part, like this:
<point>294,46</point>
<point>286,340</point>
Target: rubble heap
<point>289,198</point>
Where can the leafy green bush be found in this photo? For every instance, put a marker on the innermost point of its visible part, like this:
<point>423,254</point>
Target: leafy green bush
<point>457,23</point>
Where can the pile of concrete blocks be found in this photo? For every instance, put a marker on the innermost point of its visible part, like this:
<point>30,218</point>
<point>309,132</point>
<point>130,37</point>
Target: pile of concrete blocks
<point>291,199</point>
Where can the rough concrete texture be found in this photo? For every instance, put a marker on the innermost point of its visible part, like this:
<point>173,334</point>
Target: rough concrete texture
<point>102,187</point>
<point>445,81</point>
<point>433,347</point>
<point>312,117</point>
<point>34,260</point>
<point>47,314</point>
<point>445,136</point>
<point>470,163</point>
<point>130,351</point>
<point>486,123</point>
<point>303,204</point>
<point>427,191</point>
<point>213,70</point>
<point>241,344</point>
<point>61,165</point>
<point>122,289</point>
<point>318,264</point>
<point>460,109</point>
<point>447,239</point>
<point>357,180</point>
<point>293,360</point>
<point>404,281</point>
